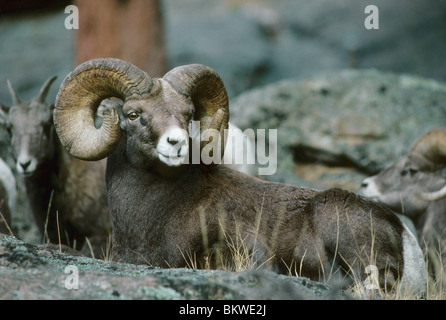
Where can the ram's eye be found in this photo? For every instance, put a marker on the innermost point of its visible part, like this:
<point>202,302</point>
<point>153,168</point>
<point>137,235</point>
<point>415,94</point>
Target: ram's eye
<point>133,116</point>
<point>190,116</point>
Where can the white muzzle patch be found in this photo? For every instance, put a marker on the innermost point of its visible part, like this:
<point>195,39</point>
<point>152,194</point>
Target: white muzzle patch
<point>26,165</point>
<point>173,147</point>
<point>369,189</point>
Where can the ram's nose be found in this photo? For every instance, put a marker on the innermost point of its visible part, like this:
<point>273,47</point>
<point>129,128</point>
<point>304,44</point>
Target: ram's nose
<point>173,146</point>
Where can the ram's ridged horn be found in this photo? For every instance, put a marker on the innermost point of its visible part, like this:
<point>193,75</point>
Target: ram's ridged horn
<point>208,94</point>
<point>45,89</point>
<point>429,151</point>
<point>79,97</point>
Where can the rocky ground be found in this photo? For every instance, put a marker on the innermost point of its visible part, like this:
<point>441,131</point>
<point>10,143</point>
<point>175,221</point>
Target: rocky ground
<point>353,102</point>
<point>32,272</point>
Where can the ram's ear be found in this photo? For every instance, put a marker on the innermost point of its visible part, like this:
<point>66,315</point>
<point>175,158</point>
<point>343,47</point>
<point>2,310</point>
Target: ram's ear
<point>79,97</point>
<point>107,106</point>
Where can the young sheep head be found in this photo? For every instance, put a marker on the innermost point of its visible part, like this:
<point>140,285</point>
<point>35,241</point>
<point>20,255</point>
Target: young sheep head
<point>155,115</point>
<point>30,126</point>
<point>415,181</point>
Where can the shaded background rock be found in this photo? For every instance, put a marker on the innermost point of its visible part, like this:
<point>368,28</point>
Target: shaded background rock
<point>256,42</point>
<point>249,43</point>
<point>337,128</point>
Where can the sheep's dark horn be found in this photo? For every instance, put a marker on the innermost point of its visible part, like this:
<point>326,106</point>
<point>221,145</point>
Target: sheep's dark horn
<point>80,96</point>
<point>45,89</point>
<point>435,195</point>
<point>207,91</point>
<point>15,99</point>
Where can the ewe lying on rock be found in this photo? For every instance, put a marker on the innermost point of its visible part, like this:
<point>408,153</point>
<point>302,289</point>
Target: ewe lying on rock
<point>416,187</point>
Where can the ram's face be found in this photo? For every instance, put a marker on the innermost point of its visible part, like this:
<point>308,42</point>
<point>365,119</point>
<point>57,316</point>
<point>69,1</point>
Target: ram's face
<point>154,118</point>
<point>30,127</point>
<point>402,186</point>
<point>157,127</point>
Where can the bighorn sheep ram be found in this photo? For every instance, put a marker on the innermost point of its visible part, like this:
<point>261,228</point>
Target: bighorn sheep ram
<point>165,207</point>
<point>67,196</point>
<point>416,187</point>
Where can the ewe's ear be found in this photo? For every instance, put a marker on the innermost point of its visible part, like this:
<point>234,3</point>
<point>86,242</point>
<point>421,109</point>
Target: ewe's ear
<point>3,113</point>
<point>4,108</point>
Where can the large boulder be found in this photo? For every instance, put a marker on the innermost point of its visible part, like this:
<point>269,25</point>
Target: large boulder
<point>336,128</point>
<point>252,43</point>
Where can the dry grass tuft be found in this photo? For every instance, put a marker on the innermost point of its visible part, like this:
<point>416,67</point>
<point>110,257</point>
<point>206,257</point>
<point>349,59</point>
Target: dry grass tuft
<point>245,256</point>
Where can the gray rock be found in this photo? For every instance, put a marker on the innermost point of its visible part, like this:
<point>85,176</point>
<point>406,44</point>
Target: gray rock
<point>34,272</point>
<point>360,121</point>
<point>252,43</point>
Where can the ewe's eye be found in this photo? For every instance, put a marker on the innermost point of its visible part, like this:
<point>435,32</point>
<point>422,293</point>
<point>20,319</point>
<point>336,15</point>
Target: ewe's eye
<point>410,171</point>
<point>133,116</point>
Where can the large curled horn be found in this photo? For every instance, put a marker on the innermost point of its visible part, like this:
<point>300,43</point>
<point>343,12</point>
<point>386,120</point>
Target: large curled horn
<point>429,151</point>
<point>208,94</point>
<point>79,97</point>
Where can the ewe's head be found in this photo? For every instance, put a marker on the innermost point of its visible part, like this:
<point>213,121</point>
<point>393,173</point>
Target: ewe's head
<point>414,182</point>
<point>154,117</point>
<point>30,126</point>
